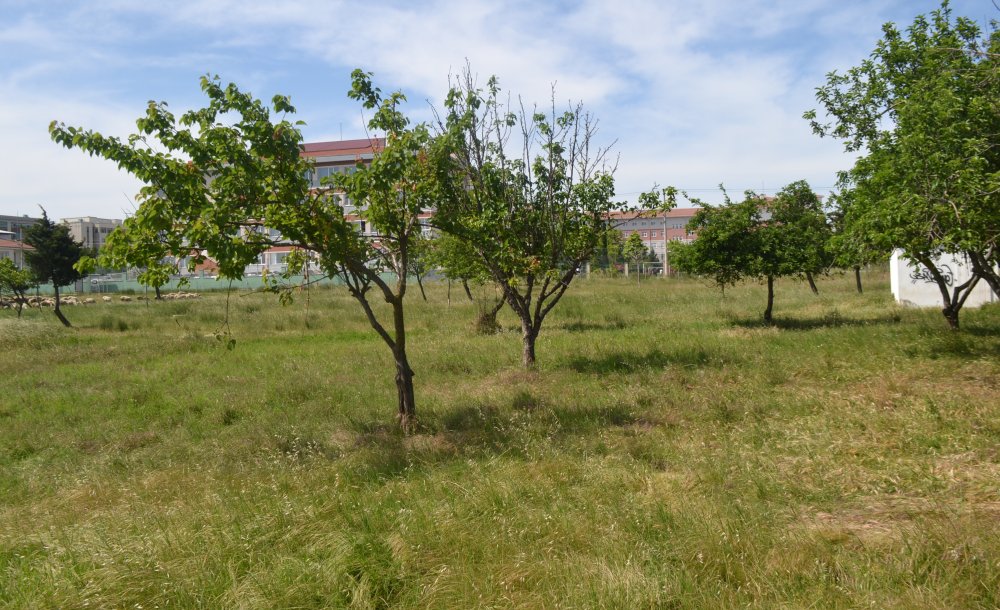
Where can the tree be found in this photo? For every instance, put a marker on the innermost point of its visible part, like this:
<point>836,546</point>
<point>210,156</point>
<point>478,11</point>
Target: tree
<point>924,110</point>
<point>532,196</point>
<point>850,249</point>
<point>725,248</point>
<point>420,258</point>
<point>16,281</point>
<point>457,261</point>
<point>757,239</point>
<point>635,251</point>
<point>609,250</point>
<point>799,213</point>
<point>226,173</point>
<point>54,256</point>
<point>139,247</point>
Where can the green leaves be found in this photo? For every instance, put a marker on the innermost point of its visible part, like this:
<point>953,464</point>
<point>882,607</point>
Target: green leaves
<point>925,111</point>
<point>758,237</point>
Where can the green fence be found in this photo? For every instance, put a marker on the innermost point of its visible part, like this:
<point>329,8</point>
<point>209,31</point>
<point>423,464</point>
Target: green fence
<point>106,285</point>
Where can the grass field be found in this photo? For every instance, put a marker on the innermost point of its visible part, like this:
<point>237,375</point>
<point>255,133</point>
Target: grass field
<point>668,452</point>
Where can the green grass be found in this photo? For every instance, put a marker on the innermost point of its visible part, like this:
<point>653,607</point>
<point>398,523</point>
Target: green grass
<point>669,452</point>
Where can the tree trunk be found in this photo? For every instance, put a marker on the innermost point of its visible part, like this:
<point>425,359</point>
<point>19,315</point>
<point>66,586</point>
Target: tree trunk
<point>951,314</point>
<point>404,374</point>
<point>159,297</point>
<point>449,292</point>
<point>404,388</point>
<point>770,299</point>
<point>468,293</point>
<point>985,269</point>
<point>857,278</point>
<point>420,283</point>
<point>58,312</point>
<point>528,336</point>
<point>812,284</point>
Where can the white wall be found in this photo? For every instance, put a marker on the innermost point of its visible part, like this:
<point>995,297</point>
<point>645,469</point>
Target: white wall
<point>912,284</point>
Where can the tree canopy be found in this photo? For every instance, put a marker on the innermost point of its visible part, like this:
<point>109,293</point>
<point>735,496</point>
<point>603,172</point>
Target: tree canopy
<point>924,112</point>
<point>757,238</point>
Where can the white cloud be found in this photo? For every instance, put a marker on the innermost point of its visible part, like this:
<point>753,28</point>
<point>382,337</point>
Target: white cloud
<point>694,93</point>
<point>36,171</point>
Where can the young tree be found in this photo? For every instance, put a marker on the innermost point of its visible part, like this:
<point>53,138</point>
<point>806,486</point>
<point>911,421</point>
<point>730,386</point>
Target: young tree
<point>634,251</point>
<point>726,248</point>
<point>924,110</point>
<point>220,184</point>
<point>798,212</point>
<point>54,256</point>
<point>850,249</point>
<point>757,239</point>
<point>531,196</point>
<point>457,261</point>
<point>139,247</point>
<point>420,261</point>
<point>16,281</point>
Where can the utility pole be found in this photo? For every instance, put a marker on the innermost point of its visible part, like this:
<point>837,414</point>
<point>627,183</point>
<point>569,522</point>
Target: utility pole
<point>666,257</point>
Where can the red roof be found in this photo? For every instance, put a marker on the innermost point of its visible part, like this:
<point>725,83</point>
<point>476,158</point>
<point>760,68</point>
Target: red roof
<point>343,147</point>
<point>674,213</point>
<point>14,245</point>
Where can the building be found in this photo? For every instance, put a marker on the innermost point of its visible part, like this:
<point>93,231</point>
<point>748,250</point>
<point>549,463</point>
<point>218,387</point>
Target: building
<point>12,249</point>
<point>90,231</point>
<point>329,158</point>
<point>340,157</point>
<point>657,229</point>
<point>13,227</point>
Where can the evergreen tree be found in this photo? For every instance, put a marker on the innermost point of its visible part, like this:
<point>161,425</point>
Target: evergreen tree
<point>54,256</point>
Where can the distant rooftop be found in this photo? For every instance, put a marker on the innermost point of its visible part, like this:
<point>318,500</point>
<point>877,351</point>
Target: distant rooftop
<point>92,219</point>
<point>342,147</point>
<point>672,213</point>
<point>10,244</point>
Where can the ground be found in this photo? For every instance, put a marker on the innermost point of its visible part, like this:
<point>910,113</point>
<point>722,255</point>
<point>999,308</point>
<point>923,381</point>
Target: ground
<point>669,451</point>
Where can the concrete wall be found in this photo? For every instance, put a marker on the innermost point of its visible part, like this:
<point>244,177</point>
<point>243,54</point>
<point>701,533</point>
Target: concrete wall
<point>913,285</point>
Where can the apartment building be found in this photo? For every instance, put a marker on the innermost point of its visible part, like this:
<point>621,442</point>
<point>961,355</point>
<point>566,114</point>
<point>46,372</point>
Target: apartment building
<point>90,231</point>
<point>658,229</point>
<point>13,227</point>
<point>12,249</point>
<point>329,158</point>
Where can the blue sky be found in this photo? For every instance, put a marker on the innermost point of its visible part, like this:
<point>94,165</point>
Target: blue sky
<point>693,94</point>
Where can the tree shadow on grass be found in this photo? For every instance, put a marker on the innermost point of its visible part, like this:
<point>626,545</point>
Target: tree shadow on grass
<point>833,320</point>
<point>579,327</point>
<point>516,426</point>
<point>528,411</point>
<point>962,344</point>
<point>629,362</point>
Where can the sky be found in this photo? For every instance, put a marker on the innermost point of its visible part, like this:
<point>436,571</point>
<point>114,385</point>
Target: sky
<point>690,94</point>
